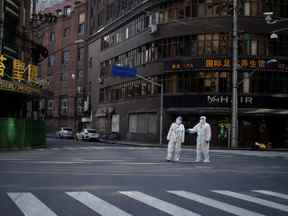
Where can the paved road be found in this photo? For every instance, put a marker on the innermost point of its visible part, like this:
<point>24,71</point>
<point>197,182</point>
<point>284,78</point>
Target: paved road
<point>98,179</point>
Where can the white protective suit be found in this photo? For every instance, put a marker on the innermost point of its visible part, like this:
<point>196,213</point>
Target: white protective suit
<point>175,136</point>
<point>203,131</point>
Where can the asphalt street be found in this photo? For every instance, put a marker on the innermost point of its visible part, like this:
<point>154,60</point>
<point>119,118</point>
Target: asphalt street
<point>83,179</point>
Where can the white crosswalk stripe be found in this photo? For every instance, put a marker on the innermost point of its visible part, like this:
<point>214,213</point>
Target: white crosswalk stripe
<point>216,204</point>
<point>30,205</point>
<point>98,205</point>
<point>164,206</point>
<point>271,193</point>
<point>252,199</point>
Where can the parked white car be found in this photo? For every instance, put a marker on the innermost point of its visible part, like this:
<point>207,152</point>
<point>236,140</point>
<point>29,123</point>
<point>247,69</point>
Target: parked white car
<point>87,134</point>
<point>65,132</point>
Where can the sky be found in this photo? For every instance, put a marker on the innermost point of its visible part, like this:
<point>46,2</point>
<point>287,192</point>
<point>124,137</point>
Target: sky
<point>42,4</point>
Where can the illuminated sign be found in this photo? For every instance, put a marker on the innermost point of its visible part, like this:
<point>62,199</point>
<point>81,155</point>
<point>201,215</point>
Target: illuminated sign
<point>2,65</point>
<point>18,87</point>
<point>18,69</point>
<point>219,63</point>
<point>32,72</point>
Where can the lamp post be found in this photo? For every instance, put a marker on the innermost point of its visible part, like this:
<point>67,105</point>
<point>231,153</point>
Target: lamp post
<point>234,123</point>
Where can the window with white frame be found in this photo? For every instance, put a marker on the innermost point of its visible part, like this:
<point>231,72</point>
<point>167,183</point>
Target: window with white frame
<point>67,11</point>
<point>52,36</point>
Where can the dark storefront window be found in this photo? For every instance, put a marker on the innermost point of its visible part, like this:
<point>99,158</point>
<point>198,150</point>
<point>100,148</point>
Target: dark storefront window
<point>270,82</point>
<point>145,123</point>
<point>135,88</point>
<point>201,82</point>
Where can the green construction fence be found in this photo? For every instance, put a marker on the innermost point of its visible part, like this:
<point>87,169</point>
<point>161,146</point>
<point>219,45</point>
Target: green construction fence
<point>17,134</point>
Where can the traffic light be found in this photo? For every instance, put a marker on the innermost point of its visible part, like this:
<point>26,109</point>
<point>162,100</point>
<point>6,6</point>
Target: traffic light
<point>39,52</point>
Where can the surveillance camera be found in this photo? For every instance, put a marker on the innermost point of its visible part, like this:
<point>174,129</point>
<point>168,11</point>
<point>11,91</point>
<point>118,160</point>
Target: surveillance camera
<point>269,13</point>
<point>273,36</point>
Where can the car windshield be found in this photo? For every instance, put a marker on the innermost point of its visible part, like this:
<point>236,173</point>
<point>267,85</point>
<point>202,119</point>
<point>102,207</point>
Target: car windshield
<point>67,129</point>
<point>91,130</point>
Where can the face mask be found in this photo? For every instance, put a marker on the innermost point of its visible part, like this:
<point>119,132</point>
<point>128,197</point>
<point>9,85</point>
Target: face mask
<point>202,121</point>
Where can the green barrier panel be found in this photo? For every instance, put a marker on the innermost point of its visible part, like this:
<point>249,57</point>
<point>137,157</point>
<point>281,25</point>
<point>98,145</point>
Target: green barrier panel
<point>21,134</point>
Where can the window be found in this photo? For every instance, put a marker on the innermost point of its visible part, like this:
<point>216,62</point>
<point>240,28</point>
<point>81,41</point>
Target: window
<point>80,74</point>
<point>65,56</point>
<point>52,36</point>
<point>66,32</point>
<point>90,63</point>
<point>50,105</point>
<point>67,11</point>
<point>79,105</point>
<point>247,9</point>
<point>80,54</point>
<point>145,123</point>
<point>81,27</point>
<point>254,47</point>
<point>63,74</point>
<point>63,105</point>
<point>51,60</point>
<point>79,90</point>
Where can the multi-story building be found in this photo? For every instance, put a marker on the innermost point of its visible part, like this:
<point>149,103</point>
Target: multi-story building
<point>64,68</point>
<point>187,46</point>
<point>16,45</point>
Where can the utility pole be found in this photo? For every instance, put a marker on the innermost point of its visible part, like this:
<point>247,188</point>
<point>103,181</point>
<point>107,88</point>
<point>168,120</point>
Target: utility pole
<point>161,104</point>
<point>234,143</point>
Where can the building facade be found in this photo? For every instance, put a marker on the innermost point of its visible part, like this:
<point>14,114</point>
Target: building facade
<point>18,92</point>
<point>64,68</point>
<point>187,46</point>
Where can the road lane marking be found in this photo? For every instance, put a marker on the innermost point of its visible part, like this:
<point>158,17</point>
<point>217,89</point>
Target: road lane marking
<point>271,193</point>
<point>161,205</point>
<point>216,204</point>
<point>30,205</point>
<point>98,205</point>
<point>252,199</point>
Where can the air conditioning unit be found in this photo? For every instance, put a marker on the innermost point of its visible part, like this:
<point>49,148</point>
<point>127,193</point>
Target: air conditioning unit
<point>153,28</point>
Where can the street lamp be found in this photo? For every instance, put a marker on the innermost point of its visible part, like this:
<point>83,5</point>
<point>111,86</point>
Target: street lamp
<point>161,104</point>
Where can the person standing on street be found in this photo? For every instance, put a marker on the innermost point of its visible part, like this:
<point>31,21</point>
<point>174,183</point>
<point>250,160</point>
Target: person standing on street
<point>203,131</point>
<point>175,136</point>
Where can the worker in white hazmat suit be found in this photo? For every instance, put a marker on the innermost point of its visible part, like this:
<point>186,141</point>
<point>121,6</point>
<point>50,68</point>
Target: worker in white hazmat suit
<point>203,131</point>
<point>175,136</point>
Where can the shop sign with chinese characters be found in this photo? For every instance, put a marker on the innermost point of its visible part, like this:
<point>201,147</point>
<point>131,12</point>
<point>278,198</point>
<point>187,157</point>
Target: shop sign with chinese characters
<point>20,71</point>
<point>217,63</point>
<point>18,87</point>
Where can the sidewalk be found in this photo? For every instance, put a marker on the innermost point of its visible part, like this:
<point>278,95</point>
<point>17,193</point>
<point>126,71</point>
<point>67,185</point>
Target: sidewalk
<point>157,145</point>
<point>283,153</point>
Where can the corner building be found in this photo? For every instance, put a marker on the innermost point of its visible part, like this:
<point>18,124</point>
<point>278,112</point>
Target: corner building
<point>187,46</point>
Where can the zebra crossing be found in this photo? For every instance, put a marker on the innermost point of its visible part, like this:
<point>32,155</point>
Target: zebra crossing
<point>30,204</point>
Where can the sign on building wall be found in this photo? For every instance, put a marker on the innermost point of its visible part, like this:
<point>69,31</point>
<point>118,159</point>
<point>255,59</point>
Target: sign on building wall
<point>19,73</point>
<point>2,65</point>
<point>18,69</point>
<point>115,123</point>
<point>32,73</point>
<point>217,63</point>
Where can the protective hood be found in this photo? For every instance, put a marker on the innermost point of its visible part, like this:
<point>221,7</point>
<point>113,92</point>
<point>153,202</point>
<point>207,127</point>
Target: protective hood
<point>179,120</point>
